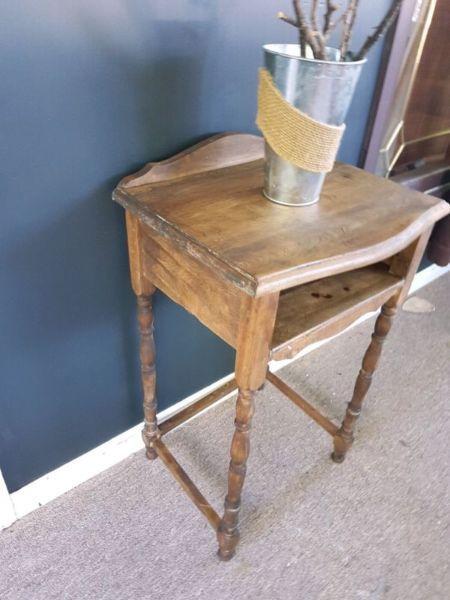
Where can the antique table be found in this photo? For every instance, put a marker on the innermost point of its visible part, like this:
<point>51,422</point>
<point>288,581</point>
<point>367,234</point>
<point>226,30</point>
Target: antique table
<point>268,279</point>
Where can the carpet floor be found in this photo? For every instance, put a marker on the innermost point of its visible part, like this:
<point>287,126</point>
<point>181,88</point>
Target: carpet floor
<point>375,527</point>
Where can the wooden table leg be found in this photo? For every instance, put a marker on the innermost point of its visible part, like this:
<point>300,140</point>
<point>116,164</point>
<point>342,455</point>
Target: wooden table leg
<point>344,437</point>
<point>228,532</point>
<point>405,265</point>
<point>144,291</point>
<point>255,333</point>
<point>150,433</point>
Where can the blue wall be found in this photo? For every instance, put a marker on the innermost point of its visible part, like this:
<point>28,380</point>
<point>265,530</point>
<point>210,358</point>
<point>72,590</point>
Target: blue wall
<point>90,90</point>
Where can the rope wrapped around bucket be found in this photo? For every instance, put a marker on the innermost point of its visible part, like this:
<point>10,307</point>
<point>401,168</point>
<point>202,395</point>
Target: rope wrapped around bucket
<point>293,135</point>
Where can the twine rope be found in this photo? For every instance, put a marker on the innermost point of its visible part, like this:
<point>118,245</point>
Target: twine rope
<point>293,135</point>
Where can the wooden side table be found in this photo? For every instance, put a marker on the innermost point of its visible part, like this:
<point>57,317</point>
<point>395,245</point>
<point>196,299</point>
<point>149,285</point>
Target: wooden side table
<point>267,279</point>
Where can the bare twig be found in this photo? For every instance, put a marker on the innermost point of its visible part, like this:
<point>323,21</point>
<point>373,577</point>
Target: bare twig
<point>327,23</point>
<point>316,31</point>
<point>345,24</point>
<point>310,33</point>
<point>294,23</point>
<point>349,21</point>
<point>287,19</point>
<point>306,35</point>
<point>353,16</point>
<point>301,24</point>
<point>313,16</point>
<point>383,26</point>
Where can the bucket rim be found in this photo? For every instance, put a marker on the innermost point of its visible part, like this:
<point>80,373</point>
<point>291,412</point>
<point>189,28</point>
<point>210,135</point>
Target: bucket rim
<point>275,49</point>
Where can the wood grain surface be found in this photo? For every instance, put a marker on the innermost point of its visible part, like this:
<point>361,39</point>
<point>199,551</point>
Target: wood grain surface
<point>314,311</point>
<point>267,279</point>
<point>222,218</point>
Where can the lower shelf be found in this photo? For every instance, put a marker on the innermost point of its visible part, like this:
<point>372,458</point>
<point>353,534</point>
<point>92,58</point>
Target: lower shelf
<point>317,310</point>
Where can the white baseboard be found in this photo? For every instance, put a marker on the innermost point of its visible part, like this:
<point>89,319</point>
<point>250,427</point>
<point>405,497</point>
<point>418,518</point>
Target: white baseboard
<point>77,471</point>
<point>50,486</point>
<point>426,276</point>
<point>7,513</point>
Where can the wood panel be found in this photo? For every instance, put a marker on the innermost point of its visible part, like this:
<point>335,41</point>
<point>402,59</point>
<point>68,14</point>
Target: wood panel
<point>191,284</point>
<point>216,152</point>
<point>317,310</point>
<point>405,263</point>
<point>139,284</point>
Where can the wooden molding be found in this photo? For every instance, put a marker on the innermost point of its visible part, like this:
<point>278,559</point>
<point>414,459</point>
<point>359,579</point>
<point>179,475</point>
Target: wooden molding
<point>216,152</point>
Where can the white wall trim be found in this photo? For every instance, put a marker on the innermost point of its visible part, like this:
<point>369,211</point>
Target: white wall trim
<point>427,276</point>
<point>50,486</point>
<point>77,471</point>
<point>7,514</point>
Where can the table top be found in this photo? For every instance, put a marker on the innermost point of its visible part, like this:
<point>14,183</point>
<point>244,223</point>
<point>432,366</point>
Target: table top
<point>209,201</point>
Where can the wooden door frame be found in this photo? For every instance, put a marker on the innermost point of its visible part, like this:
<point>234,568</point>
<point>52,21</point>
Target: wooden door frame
<point>392,61</point>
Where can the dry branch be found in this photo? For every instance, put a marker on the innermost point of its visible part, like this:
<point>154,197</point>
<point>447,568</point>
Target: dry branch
<point>316,31</point>
<point>301,24</point>
<point>310,33</point>
<point>295,24</point>
<point>306,34</point>
<point>287,19</point>
<point>349,22</point>
<point>327,23</point>
<point>383,26</point>
<point>313,16</point>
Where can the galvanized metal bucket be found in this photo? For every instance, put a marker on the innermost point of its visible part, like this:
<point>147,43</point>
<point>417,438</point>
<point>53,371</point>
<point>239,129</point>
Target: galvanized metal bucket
<point>323,89</point>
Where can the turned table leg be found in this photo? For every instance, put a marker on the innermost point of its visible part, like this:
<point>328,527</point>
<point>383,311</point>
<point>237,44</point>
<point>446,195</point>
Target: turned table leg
<point>255,333</point>
<point>344,437</point>
<point>228,533</point>
<point>150,433</point>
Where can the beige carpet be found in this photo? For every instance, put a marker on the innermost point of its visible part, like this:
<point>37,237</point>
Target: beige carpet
<point>374,527</point>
